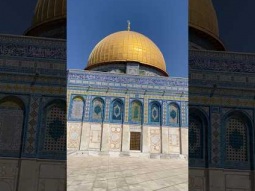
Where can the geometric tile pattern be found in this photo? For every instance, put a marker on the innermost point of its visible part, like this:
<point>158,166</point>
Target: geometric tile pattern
<point>215,138</point>
<point>164,112</point>
<point>98,109</point>
<point>30,144</point>
<point>155,113</point>
<point>117,110</point>
<point>87,107</point>
<point>174,114</point>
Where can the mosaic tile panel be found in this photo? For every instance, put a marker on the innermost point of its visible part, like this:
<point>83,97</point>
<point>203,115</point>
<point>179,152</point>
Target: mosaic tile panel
<point>126,108</point>
<point>87,107</point>
<point>184,107</point>
<point>219,61</point>
<point>117,110</point>
<point>215,138</point>
<point>145,113</point>
<point>174,116</point>
<point>164,112</point>
<point>30,145</point>
<point>98,109</point>
<point>107,108</point>
<point>31,47</point>
<point>155,113</point>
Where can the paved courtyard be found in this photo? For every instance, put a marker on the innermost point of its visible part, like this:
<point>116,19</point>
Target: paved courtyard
<point>99,173</point>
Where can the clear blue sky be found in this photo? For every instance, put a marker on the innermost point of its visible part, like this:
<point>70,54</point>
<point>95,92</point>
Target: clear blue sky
<point>165,22</point>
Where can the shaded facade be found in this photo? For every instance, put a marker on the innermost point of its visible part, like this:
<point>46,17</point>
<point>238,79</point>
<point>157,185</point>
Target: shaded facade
<point>221,111</point>
<point>33,111</point>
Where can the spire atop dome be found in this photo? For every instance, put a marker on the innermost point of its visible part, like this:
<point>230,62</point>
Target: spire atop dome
<point>128,21</point>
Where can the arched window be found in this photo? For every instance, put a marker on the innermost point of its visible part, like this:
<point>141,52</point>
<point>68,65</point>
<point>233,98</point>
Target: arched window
<point>198,138</point>
<point>174,114</point>
<point>236,139</point>
<point>77,108</point>
<point>98,109</point>
<point>54,127</point>
<point>136,112</point>
<point>117,110</point>
<point>11,126</point>
<point>155,112</point>
<point>195,138</point>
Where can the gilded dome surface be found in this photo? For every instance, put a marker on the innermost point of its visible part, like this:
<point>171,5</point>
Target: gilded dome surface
<point>49,19</point>
<point>48,10</point>
<point>127,46</point>
<point>203,16</point>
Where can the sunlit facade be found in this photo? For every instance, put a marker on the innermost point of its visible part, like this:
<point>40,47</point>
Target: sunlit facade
<point>124,103</point>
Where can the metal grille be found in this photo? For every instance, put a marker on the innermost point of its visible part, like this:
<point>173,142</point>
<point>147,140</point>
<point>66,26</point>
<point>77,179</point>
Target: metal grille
<point>55,138</point>
<point>236,140</point>
<point>135,140</point>
<point>195,139</point>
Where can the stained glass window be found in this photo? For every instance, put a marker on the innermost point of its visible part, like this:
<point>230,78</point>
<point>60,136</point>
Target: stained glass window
<point>136,111</point>
<point>155,112</point>
<point>174,116</point>
<point>98,109</point>
<point>77,108</point>
<point>236,140</point>
<point>117,110</point>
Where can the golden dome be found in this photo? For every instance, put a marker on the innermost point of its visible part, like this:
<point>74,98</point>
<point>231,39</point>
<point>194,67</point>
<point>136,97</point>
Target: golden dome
<point>48,10</point>
<point>49,19</point>
<point>202,17</point>
<point>127,46</point>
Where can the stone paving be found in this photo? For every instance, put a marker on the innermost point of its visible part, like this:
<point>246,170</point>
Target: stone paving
<point>105,173</point>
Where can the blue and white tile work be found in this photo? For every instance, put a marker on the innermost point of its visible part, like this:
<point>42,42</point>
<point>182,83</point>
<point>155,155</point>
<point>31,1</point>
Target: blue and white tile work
<point>222,118</point>
<point>33,110</point>
<point>105,110</point>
